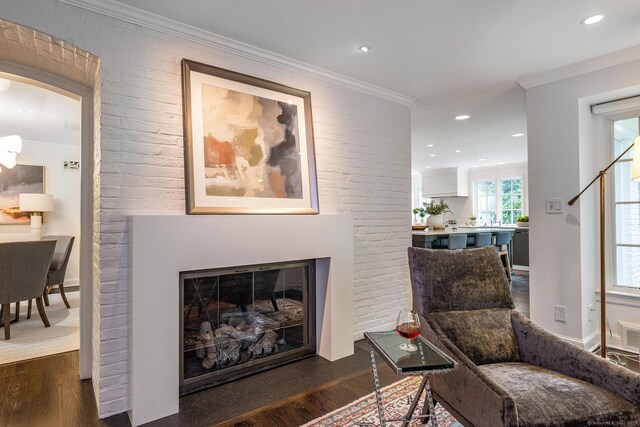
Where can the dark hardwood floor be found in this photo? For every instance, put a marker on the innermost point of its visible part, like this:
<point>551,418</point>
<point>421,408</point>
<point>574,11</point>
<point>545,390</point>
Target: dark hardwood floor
<point>48,391</point>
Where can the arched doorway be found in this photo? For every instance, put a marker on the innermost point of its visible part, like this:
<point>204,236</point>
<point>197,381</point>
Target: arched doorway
<point>58,65</point>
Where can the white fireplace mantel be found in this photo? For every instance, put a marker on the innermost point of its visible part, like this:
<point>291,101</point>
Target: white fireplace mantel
<point>161,246</point>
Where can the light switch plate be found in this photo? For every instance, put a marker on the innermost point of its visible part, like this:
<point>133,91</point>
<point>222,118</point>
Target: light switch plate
<point>554,206</point>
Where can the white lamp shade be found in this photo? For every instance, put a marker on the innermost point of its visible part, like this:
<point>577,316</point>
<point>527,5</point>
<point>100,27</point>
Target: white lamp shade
<point>635,167</point>
<point>33,202</point>
<point>7,158</point>
<point>12,143</point>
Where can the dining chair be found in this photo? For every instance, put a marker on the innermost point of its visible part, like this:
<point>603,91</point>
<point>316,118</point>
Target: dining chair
<point>457,241</point>
<point>23,273</point>
<point>58,267</point>
<point>502,246</point>
<point>483,239</point>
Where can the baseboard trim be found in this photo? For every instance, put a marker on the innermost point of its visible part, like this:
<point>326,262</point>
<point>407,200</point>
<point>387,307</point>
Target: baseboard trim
<point>589,343</point>
<point>71,283</point>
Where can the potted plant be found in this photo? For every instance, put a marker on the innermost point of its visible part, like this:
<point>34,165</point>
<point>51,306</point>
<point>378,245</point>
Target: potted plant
<point>419,224</point>
<point>472,220</point>
<point>435,211</point>
<point>523,221</point>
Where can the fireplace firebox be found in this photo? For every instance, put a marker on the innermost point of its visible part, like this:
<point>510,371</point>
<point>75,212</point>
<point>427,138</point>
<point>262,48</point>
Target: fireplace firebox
<point>241,320</point>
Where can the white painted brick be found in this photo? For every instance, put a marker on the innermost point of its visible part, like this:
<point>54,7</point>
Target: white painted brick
<point>362,155</point>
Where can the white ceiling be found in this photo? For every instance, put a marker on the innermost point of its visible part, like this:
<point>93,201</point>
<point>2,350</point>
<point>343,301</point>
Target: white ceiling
<point>38,114</point>
<point>453,57</point>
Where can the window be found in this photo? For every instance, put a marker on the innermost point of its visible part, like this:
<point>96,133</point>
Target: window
<point>626,206</point>
<point>498,200</point>
<point>511,200</point>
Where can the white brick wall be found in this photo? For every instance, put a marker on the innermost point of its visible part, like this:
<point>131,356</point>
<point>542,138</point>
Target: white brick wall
<point>362,153</point>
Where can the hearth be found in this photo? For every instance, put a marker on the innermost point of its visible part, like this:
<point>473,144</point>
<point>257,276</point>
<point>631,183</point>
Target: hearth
<point>240,320</point>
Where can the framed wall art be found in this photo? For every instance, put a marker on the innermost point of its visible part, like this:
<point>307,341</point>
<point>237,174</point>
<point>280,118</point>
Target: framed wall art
<point>248,144</point>
<point>19,179</point>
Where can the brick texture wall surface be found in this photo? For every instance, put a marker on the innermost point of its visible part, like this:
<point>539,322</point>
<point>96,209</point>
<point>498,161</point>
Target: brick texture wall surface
<point>362,154</point>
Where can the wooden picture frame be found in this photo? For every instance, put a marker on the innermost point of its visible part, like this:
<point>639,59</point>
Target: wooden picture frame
<point>248,144</point>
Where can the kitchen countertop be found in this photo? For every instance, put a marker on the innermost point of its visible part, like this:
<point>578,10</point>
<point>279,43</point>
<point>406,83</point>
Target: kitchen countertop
<point>462,230</point>
<point>504,227</point>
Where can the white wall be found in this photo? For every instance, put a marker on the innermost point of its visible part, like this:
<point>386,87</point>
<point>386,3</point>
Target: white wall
<point>65,188</point>
<point>362,152</point>
<point>562,159</point>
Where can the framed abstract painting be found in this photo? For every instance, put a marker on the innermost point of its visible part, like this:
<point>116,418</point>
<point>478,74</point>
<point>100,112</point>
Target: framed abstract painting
<point>248,144</point>
<point>19,179</point>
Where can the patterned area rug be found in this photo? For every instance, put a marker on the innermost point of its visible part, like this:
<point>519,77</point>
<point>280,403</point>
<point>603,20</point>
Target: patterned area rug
<point>364,412</point>
<point>29,337</point>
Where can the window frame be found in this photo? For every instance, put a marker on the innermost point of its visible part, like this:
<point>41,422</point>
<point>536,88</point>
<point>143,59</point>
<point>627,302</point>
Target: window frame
<point>497,180</point>
<point>613,204</point>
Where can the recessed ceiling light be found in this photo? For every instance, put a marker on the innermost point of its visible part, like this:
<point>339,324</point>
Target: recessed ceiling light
<point>593,19</point>
<point>462,117</point>
<point>22,110</point>
<point>516,135</point>
<point>501,163</point>
<point>457,151</point>
<point>364,48</point>
<point>481,160</point>
<point>432,155</point>
<point>475,166</point>
<point>427,167</point>
<point>429,145</point>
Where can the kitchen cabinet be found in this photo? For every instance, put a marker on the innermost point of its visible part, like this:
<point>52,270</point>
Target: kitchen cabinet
<point>521,247</point>
<point>445,182</point>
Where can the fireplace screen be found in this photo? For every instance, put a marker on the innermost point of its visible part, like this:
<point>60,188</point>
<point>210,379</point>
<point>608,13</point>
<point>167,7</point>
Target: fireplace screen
<point>237,321</point>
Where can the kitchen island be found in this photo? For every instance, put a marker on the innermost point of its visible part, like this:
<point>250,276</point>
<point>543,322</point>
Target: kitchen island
<point>438,239</point>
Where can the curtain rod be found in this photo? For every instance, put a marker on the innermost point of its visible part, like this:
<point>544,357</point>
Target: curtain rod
<point>616,104</point>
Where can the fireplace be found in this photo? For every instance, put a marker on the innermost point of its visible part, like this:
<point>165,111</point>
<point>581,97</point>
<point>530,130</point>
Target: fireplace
<point>163,246</point>
<point>241,320</point>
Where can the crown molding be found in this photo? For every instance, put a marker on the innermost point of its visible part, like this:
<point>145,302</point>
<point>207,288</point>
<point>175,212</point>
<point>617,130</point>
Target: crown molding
<point>159,23</point>
<point>590,65</point>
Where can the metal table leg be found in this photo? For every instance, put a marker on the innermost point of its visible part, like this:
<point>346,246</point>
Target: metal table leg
<point>432,409</point>
<point>416,399</point>
<point>376,382</point>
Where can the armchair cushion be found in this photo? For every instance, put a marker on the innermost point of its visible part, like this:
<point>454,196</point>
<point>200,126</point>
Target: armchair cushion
<point>484,336</point>
<point>545,397</point>
<point>458,280</point>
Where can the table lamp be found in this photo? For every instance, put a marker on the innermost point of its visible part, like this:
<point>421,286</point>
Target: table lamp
<point>36,204</point>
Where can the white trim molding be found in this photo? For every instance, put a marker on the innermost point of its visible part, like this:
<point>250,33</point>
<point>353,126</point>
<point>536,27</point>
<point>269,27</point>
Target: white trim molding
<point>595,64</point>
<point>165,25</point>
<point>589,343</point>
<point>621,298</point>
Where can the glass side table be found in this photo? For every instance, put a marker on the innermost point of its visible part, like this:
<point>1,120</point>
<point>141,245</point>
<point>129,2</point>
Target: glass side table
<point>425,361</point>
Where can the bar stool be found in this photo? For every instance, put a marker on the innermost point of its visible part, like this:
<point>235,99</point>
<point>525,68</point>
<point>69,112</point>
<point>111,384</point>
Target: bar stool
<point>502,246</point>
<point>483,239</point>
<point>457,241</point>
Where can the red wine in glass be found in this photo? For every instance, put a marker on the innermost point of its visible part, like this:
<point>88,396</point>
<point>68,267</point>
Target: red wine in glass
<point>408,330</point>
<point>408,326</point>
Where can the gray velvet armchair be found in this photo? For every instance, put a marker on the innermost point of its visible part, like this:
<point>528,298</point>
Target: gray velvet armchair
<point>511,372</point>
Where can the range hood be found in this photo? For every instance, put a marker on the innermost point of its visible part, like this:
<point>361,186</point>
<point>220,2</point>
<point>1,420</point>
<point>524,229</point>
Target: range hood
<point>445,182</point>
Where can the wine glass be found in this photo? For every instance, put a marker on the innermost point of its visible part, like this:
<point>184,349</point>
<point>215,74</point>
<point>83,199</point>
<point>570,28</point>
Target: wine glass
<point>408,326</point>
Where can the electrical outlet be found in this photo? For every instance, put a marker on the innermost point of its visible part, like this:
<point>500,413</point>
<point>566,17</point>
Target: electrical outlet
<point>561,313</point>
<point>590,311</point>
